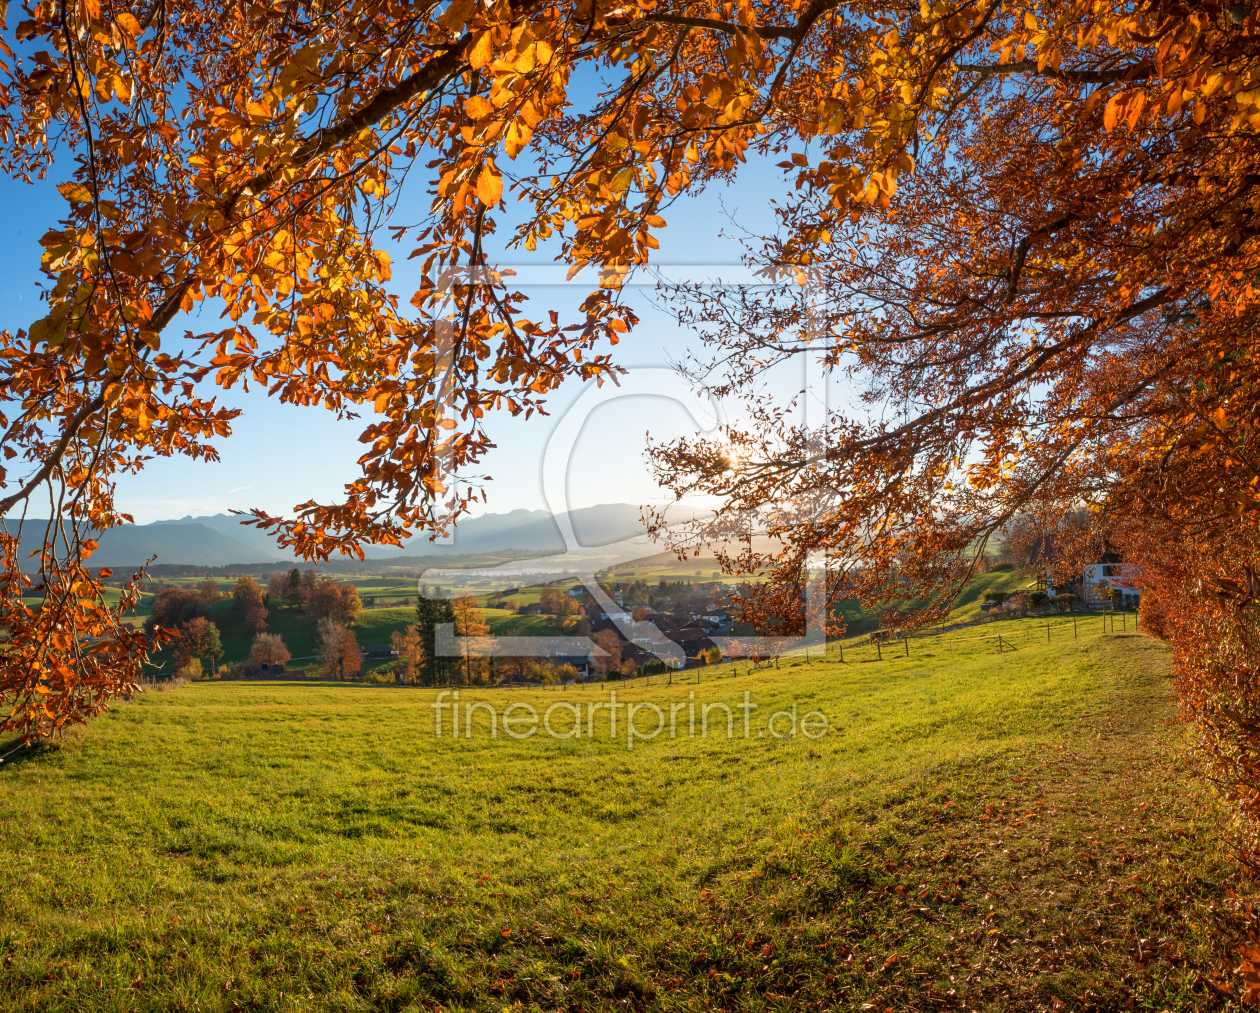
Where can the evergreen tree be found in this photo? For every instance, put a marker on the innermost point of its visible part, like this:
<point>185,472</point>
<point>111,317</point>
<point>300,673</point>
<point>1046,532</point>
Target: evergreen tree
<point>430,613</point>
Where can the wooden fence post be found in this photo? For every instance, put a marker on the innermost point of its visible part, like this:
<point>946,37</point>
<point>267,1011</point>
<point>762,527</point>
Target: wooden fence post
<point>906,640</point>
<point>879,649</point>
<point>1047,631</point>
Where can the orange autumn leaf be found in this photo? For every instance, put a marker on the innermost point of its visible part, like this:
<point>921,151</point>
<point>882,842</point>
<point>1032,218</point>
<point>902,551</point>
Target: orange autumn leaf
<point>489,187</point>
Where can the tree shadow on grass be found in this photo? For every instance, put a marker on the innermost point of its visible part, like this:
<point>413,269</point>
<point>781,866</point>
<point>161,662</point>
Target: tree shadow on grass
<point>13,754</point>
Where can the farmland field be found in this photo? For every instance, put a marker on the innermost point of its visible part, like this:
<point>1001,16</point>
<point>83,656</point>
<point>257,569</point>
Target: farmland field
<point>999,831</point>
<point>375,625</point>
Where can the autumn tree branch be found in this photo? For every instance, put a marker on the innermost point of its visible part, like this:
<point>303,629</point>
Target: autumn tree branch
<point>903,434</point>
<point>425,79</point>
<point>53,459</point>
<point>1130,72</point>
<point>1022,253</point>
<point>386,102</point>
<point>727,27</point>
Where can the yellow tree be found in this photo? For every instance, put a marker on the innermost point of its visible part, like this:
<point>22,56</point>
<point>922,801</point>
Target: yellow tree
<point>608,663</point>
<point>246,594</point>
<point>410,647</point>
<point>268,649</point>
<point>339,649</point>
<point>471,625</point>
<point>350,605</point>
<point>278,588</point>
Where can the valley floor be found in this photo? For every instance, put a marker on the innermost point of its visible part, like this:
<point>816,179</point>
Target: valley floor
<point>971,830</point>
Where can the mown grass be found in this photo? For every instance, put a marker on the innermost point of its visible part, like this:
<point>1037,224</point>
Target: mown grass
<point>974,830</point>
<point>505,623</point>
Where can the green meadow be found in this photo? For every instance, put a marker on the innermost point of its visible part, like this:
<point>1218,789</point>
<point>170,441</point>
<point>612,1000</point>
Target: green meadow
<point>1014,831</point>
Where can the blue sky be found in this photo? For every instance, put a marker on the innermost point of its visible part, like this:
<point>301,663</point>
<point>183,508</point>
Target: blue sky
<point>281,455</point>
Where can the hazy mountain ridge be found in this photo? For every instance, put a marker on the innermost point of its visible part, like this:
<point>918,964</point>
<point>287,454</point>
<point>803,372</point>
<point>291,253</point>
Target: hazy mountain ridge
<point>131,545</point>
<point>221,539</point>
<point>528,530</point>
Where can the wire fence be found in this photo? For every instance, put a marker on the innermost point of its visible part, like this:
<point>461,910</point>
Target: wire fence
<point>1027,634</point>
<point>1011,639</point>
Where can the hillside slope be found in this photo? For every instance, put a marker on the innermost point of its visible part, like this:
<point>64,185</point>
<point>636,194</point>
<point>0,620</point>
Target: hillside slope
<point>1006,833</point>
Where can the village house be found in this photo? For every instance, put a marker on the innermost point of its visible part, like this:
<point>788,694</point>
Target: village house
<point>581,662</point>
<point>1099,582</point>
<point>717,621</point>
<point>1102,585</point>
<point>614,613</point>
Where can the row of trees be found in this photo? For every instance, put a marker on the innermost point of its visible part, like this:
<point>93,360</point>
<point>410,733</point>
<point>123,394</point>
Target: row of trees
<point>544,671</point>
<point>199,642</point>
<point>416,647</point>
<point>183,615</point>
<point>319,595</point>
<point>187,614</point>
<point>335,604</point>
<point>341,657</point>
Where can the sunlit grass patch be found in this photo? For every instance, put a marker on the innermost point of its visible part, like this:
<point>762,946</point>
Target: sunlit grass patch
<point>971,827</point>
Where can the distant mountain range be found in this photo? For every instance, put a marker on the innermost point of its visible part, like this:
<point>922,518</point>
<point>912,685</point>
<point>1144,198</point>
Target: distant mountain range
<point>221,539</point>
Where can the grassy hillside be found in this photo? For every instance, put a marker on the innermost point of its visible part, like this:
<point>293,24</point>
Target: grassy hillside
<point>509,624</point>
<point>998,832</point>
<point>966,605</point>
